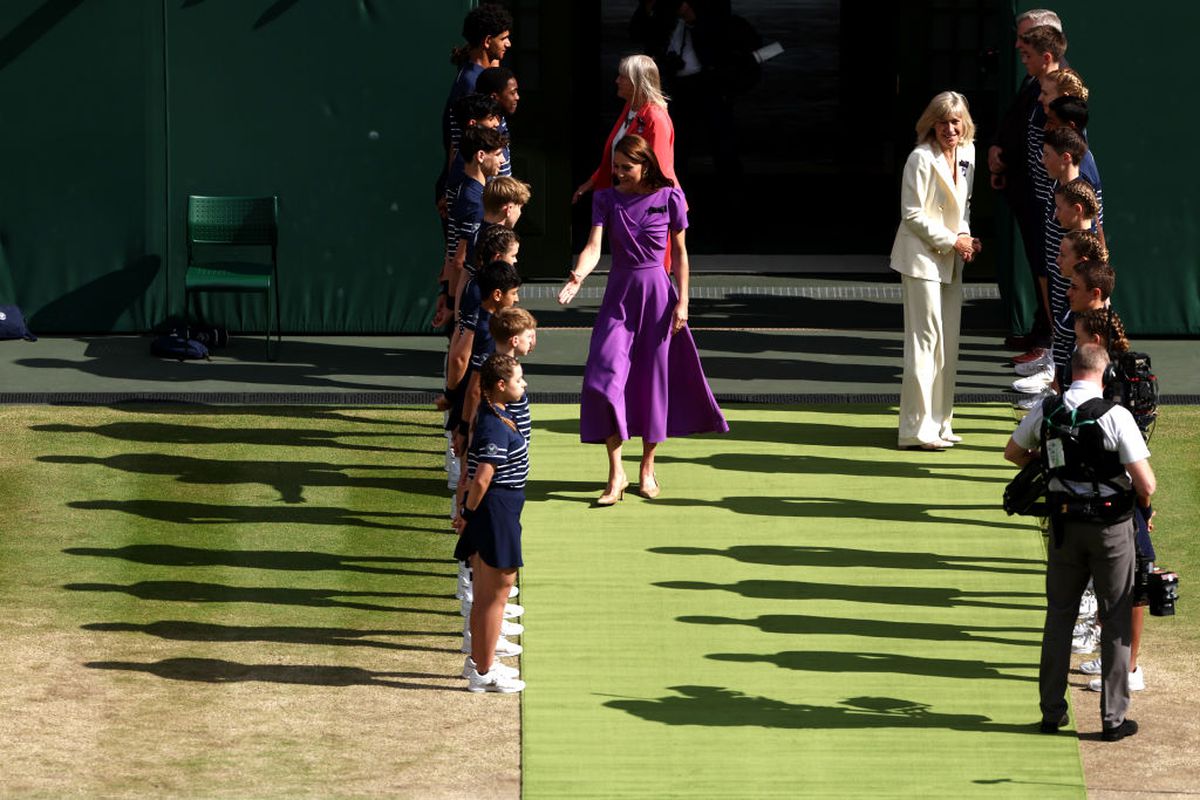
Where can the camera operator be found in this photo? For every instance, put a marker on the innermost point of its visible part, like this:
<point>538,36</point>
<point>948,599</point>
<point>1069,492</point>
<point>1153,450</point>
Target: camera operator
<point>1096,477</point>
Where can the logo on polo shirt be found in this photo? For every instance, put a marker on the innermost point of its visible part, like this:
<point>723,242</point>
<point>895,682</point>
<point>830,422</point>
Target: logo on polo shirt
<point>492,448</point>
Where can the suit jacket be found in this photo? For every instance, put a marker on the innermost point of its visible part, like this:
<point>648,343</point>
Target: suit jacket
<point>934,210</point>
<point>653,124</point>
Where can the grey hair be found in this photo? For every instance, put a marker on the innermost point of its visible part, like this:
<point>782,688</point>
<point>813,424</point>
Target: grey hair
<point>1041,16</point>
<point>642,72</point>
<point>1089,358</point>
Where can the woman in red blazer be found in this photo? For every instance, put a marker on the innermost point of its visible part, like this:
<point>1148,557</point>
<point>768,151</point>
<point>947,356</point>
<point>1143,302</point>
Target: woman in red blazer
<point>645,114</point>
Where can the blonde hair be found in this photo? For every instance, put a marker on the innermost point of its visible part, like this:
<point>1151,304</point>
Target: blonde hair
<point>642,72</point>
<point>1069,83</point>
<point>510,322</point>
<point>942,106</point>
<point>503,190</point>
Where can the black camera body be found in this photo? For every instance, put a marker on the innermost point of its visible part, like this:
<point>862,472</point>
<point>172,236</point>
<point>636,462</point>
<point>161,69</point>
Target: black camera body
<point>1155,587</point>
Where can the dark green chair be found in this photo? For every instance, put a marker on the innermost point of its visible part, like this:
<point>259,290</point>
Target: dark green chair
<point>233,226</point>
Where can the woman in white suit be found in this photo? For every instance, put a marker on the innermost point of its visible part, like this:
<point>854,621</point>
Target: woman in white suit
<point>932,245</point>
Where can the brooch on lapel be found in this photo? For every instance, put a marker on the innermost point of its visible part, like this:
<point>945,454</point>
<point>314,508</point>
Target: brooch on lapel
<point>964,165</point>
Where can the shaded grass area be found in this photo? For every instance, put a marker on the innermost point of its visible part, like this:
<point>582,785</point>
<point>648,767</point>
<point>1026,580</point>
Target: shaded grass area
<point>805,611</point>
<point>235,602</point>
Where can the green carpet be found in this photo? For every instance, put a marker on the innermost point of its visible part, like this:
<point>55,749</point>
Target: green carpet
<point>804,612</point>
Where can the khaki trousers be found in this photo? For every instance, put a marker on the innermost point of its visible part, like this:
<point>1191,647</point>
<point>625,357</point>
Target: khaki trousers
<point>932,315</point>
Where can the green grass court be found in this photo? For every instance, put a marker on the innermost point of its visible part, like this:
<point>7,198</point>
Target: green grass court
<point>223,601</point>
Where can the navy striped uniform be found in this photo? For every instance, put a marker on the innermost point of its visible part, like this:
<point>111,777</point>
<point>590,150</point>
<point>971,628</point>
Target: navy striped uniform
<point>1060,309</point>
<point>519,411</point>
<point>466,215</point>
<point>506,169</point>
<point>484,345</point>
<point>1039,181</point>
<point>499,445</point>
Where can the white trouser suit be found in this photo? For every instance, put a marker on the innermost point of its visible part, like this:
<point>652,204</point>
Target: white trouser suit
<point>935,210</point>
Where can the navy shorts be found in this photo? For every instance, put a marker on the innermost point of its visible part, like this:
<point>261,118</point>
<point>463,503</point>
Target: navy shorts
<point>494,530</point>
<point>1141,540</point>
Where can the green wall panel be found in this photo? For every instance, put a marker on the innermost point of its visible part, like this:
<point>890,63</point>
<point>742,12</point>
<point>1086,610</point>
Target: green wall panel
<point>81,213</point>
<point>1139,131</point>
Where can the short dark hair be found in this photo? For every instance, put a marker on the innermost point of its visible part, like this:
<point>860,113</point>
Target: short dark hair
<point>1071,111</point>
<point>1067,141</point>
<point>493,80</point>
<point>1097,275</point>
<point>474,106</point>
<point>487,19</point>
<point>476,138</point>
<point>497,275</point>
<point>1046,39</point>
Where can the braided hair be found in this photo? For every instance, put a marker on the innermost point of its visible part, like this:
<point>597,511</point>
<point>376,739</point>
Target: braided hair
<point>1106,324</point>
<point>1087,245</point>
<point>497,368</point>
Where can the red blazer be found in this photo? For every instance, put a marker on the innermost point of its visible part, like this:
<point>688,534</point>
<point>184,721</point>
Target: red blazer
<point>653,124</point>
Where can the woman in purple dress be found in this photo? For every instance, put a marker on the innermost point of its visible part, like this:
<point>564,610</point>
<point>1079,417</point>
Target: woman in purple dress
<point>643,375</point>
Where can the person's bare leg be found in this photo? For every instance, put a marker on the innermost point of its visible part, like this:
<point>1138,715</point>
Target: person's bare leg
<point>1135,638</point>
<point>647,481</point>
<point>616,472</point>
<point>491,589</point>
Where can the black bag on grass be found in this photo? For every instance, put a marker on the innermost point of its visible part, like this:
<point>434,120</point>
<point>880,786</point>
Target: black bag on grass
<point>12,324</point>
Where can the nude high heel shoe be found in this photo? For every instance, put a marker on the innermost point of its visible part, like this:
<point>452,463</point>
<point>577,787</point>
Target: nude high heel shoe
<point>612,498</point>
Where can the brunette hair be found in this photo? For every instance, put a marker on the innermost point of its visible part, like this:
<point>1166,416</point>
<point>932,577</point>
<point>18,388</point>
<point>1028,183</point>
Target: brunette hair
<point>1080,192</point>
<point>474,107</point>
<point>1097,275</point>
<point>495,244</point>
<point>1087,245</point>
<point>497,368</point>
<point>1071,111</point>
<point>476,138</point>
<point>1067,141</point>
<point>494,80</point>
<point>638,150</point>
<point>942,106</point>
<point>1105,323</point>
<point>511,322</point>
<point>1046,39</point>
<point>503,190</point>
<point>497,276</point>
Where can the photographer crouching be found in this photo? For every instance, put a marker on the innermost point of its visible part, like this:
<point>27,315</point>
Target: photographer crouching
<point>1098,465</point>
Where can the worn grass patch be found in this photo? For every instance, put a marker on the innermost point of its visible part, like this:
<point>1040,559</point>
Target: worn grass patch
<point>228,602</point>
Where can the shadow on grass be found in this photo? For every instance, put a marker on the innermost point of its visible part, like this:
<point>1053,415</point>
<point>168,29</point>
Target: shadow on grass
<point>818,556</point>
<point>833,661</point>
<point>840,508</point>
<point>193,592</point>
<point>927,596</point>
<point>212,670</point>
<point>311,413</point>
<point>798,432</point>
<point>164,433</point>
<point>289,478</point>
<point>720,707</point>
<point>775,463</point>
<point>173,556</point>
<point>177,630</point>
<point>204,514</point>
<point>879,629</point>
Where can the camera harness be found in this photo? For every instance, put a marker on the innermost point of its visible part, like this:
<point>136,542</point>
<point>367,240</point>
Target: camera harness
<point>1073,450</point>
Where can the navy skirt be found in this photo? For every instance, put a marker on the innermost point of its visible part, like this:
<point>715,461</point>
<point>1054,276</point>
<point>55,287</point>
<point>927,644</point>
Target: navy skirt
<point>494,530</point>
<point>1145,547</point>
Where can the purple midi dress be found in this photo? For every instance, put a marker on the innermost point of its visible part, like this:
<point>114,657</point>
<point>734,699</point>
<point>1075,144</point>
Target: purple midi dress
<point>639,379</point>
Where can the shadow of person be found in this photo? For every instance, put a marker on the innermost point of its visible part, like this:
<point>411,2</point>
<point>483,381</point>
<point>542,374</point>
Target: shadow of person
<point>205,514</point>
<point>212,670</point>
<point>930,596</point>
<point>883,629</point>
<point>834,661</point>
<point>121,290</point>
<point>721,707</point>
<point>822,556</point>
<point>174,556</point>
<point>178,630</point>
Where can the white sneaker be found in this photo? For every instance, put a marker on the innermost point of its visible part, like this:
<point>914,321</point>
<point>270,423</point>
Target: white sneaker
<point>463,591</point>
<point>511,610</point>
<point>504,648</point>
<point>1032,401</point>
<point>1087,642</point>
<point>1137,682</point>
<point>1090,667</point>
<point>493,681</point>
<point>511,628</point>
<point>497,666</point>
<point>1037,365</point>
<point>1036,383</point>
<point>1087,605</point>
